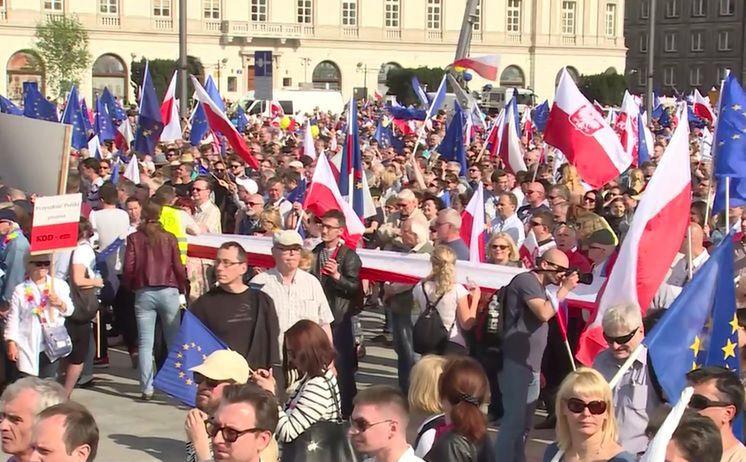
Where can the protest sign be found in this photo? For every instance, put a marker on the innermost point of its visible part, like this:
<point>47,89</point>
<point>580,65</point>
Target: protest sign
<point>55,224</point>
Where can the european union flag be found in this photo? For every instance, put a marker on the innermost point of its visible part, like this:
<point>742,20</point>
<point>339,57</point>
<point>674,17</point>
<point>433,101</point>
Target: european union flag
<point>351,169</point>
<point>214,93</point>
<point>298,194</point>
<point>737,194</point>
<point>241,120</point>
<point>149,124</point>
<point>420,92</point>
<point>730,134</point>
<point>192,346</point>
<point>115,110</point>
<point>658,108</point>
<point>700,328</point>
<point>73,115</point>
<point>199,126</point>
<point>86,116</point>
<point>35,105</point>
<point>642,145</point>
<point>452,146</point>
<point>102,124</point>
<point>407,113</point>
<point>115,173</point>
<point>8,107</point>
<point>541,116</point>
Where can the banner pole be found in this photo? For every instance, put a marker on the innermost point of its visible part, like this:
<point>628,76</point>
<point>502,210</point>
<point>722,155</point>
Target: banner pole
<point>627,364</point>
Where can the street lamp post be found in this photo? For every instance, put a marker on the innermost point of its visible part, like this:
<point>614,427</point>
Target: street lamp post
<point>651,60</point>
<point>306,62</point>
<point>221,64</point>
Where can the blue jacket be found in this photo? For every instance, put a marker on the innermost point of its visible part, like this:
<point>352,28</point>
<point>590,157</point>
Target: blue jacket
<point>12,264</point>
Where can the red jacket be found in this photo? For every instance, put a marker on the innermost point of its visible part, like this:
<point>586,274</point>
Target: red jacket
<point>578,260</point>
<point>153,266</point>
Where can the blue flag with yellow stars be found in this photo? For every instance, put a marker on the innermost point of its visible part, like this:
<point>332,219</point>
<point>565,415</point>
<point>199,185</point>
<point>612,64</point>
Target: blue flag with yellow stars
<point>149,124</point>
<point>35,105</point>
<point>192,346</point>
<point>700,328</point>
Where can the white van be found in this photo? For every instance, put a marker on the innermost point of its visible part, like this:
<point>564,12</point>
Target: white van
<point>305,101</point>
<point>495,98</point>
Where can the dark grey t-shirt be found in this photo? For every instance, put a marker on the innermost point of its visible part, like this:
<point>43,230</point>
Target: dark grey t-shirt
<point>460,249</point>
<point>525,335</point>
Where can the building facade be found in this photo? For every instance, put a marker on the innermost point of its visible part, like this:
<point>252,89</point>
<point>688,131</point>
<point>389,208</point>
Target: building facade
<point>336,44</point>
<point>696,41</point>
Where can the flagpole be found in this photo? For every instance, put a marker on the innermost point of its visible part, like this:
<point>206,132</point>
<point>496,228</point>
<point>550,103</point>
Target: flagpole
<point>690,260</point>
<point>727,203</point>
<point>627,364</point>
<point>569,354</point>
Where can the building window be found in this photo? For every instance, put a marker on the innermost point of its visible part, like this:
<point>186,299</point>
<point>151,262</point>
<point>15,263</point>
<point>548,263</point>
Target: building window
<point>305,10</point>
<point>110,71</point>
<point>644,43</point>
<point>724,43</point>
<point>232,83</point>
<point>727,7</point>
<point>212,9</point>
<point>391,14</point>
<point>669,79</point>
<point>697,42</point>
<point>53,5</point>
<point>722,73</point>
<point>610,20</point>
<point>108,6</point>
<point>669,42</point>
<point>642,77</point>
<point>645,9</point>
<point>349,13</point>
<point>514,16</point>
<point>477,24</point>
<point>568,17</point>
<point>162,8</point>
<point>672,8</point>
<point>259,10</point>
<point>433,15</point>
<point>326,76</point>
<point>699,8</point>
<point>695,76</point>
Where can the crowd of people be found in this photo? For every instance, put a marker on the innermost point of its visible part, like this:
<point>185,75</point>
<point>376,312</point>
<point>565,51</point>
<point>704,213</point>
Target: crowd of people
<point>285,388</point>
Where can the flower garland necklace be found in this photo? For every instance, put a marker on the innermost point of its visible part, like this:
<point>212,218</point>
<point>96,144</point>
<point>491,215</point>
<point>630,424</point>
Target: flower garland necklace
<point>9,237</point>
<point>30,296</point>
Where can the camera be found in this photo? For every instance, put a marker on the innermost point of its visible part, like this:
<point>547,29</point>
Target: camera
<point>583,278</point>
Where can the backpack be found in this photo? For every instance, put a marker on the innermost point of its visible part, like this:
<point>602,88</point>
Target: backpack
<point>487,340</point>
<point>85,301</point>
<point>429,335</point>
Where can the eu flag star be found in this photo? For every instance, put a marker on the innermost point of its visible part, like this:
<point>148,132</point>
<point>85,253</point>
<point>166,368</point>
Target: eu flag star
<point>696,346</point>
<point>729,350</point>
<point>736,107</point>
<point>185,346</point>
<point>734,324</point>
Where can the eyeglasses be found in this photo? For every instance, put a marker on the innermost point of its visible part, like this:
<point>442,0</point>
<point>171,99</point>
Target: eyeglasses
<point>622,339</point>
<point>700,403</point>
<point>288,249</point>
<point>595,247</point>
<point>576,406</point>
<point>500,247</point>
<point>236,166</point>
<point>230,435</point>
<point>219,170</point>
<point>362,425</point>
<point>473,169</point>
<point>536,223</point>
<point>325,226</point>
<point>103,167</point>
<point>41,264</point>
<point>211,383</point>
<point>198,189</point>
<point>251,204</point>
<point>226,263</point>
<point>551,198</point>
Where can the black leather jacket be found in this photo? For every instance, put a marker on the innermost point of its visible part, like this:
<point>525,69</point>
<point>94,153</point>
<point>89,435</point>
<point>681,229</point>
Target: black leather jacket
<point>452,447</point>
<point>346,294</point>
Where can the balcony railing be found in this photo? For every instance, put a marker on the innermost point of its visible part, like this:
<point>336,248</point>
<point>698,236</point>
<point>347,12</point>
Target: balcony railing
<point>212,25</point>
<point>392,34</point>
<point>513,37</point>
<point>349,31</point>
<point>434,35</point>
<point>476,35</point>
<point>109,21</point>
<point>569,40</point>
<point>266,29</point>
<point>3,15</point>
<point>51,16</point>
<point>163,24</point>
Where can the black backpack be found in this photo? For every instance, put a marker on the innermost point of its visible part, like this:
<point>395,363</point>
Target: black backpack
<point>486,340</point>
<point>429,335</point>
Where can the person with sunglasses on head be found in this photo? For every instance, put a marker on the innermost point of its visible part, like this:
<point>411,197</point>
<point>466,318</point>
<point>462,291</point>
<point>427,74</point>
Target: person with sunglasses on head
<point>586,428</point>
<point>535,202</point>
<point>602,252</point>
<point>219,370</point>
<point>242,426</point>
<point>638,392</point>
<point>378,425</point>
<point>719,395</point>
<point>528,307</point>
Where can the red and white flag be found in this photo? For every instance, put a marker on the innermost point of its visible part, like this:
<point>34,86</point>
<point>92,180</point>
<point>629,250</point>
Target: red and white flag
<point>218,122</point>
<point>472,226</point>
<point>323,195</point>
<point>577,129</point>
<point>653,239</point>
<point>528,126</point>
<point>529,250</point>
<point>626,126</point>
<point>170,113</point>
<point>309,148</point>
<point>132,171</point>
<point>485,66</point>
<point>701,107</point>
<point>124,137</point>
<point>377,95</point>
<point>505,142</point>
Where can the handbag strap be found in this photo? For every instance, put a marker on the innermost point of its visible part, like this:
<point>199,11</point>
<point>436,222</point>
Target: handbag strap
<point>334,398</point>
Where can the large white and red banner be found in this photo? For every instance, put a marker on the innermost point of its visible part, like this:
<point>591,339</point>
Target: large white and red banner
<point>55,223</point>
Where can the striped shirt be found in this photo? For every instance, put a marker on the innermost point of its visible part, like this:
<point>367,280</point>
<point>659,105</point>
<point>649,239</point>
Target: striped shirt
<point>312,402</point>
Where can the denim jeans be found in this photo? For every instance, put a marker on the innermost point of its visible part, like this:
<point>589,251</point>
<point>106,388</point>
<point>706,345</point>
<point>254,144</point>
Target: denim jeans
<point>401,333</point>
<point>520,392</point>
<point>345,363</point>
<point>150,303</point>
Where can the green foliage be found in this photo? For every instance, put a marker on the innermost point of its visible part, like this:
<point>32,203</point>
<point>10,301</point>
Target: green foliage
<point>161,71</point>
<point>399,82</point>
<point>607,88</point>
<point>62,44</point>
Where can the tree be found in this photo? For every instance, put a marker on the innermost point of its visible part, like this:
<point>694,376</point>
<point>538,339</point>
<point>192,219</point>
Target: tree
<point>62,44</point>
<point>399,82</point>
<point>161,71</point>
<point>607,88</point>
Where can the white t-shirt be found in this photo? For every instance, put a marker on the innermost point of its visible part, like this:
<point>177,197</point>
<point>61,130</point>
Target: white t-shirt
<point>446,307</point>
<point>111,224</point>
<point>84,255</point>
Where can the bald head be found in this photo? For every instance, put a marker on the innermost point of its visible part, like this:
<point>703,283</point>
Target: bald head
<point>535,193</point>
<point>556,257</point>
<point>698,236</point>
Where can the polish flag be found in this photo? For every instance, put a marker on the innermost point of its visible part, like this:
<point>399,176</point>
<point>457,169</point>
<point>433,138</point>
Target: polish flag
<point>132,172</point>
<point>504,141</point>
<point>472,226</point>
<point>653,239</point>
<point>170,113</point>
<point>323,195</point>
<point>528,126</point>
<point>485,66</point>
<point>701,107</point>
<point>586,139</point>
<point>627,127</point>
<point>220,123</point>
<point>529,250</point>
<point>377,95</point>
<point>309,148</point>
<point>124,137</point>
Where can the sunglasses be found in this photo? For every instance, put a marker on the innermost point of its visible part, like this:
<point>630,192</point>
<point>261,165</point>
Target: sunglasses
<point>536,223</point>
<point>41,264</point>
<point>500,247</point>
<point>576,406</point>
<point>621,340</point>
<point>362,425</point>
<point>211,383</point>
<point>198,189</point>
<point>230,435</point>
<point>235,166</point>
<point>700,403</point>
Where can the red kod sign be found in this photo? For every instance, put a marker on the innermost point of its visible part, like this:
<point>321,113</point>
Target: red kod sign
<point>55,224</point>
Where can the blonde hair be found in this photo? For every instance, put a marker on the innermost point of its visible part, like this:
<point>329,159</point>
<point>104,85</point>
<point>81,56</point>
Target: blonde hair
<point>637,179</point>
<point>443,272</point>
<point>588,382</point>
<point>306,260</point>
<point>423,384</point>
<point>273,216</point>
<point>571,179</point>
<point>514,256</point>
